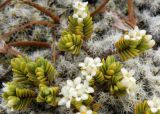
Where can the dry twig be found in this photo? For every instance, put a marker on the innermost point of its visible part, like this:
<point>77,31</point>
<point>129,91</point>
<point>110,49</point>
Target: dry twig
<point>4,4</point>
<point>6,49</point>
<point>31,43</point>
<point>43,9</point>
<point>99,8</point>
<point>22,27</point>
<point>53,48</point>
<point>131,14</point>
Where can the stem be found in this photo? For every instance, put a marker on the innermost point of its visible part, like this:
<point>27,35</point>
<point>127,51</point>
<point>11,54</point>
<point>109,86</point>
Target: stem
<point>131,13</point>
<point>43,9</point>
<point>31,43</point>
<point>4,4</point>
<point>10,50</point>
<point>22,27</point>
<point>53,48</point>
<point>99,8</point>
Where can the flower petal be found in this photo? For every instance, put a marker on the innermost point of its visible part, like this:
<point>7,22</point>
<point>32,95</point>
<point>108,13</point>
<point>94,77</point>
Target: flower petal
<point>77,80</point>
<point>68,104</point>
<point>154,110</point>
<point>124,71</point>
<point>62,101</point>
<point>90,90</point>
<point>84,97</point>
<point>70,82</point>
<point>89,112</point>
<point>83,108</point>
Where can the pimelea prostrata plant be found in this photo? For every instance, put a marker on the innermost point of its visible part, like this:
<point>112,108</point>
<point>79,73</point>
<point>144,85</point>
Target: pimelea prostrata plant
<point>34,79</point>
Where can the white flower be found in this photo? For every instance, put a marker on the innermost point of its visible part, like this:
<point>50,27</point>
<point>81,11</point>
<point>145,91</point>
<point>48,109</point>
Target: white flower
<point>81,6</point>
<point>90,67</point>
<point>79,10</point>
<point>150,41</point>
<point>80,16</point>
<point>83,110</point>
<point>128,81</point>
<point>135,34</point>
<point>74,89</point>
<point>68,91</point>
<point>83,90</point>
<point>154,104</point>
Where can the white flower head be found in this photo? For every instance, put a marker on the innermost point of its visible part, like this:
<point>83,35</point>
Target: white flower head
<point>80,11</point>
<point>154,104</point>
<point>80,5</point>
<point>80,16</point>
<point>84,110</point>
<point>90,67</point>
<point>135,34</point>
<point>129,81</point>
<point>83,90</point>
<point>74,89</point>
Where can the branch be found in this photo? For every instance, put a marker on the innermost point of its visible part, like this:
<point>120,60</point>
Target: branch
<point>31,43</point>
<point>22,27</point>
<point>43,9</point>
<point>131,14</point>
<point>53,49</point>
<point>6,49</point>
<point>3,5</point>
<point>55,53</point>
<point>99,8</point>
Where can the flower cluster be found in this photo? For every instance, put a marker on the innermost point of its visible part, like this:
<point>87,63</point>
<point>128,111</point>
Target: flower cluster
<point>80,10</point>
<point>137,34</point>
<point>75,90</point>
<point>154,104</point>
<point>129,81</point>
<point>90,67</point>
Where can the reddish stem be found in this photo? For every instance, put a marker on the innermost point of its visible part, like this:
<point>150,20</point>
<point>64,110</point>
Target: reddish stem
<point>43,9</point>
<point>131,14</point>
<point>4,4</point>
<point>99,8</point>
<point>31,43</point>
<point>22,27</point>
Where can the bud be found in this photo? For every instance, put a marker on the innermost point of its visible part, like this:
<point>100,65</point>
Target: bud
<point>151,43</point>
<point>148,37</point>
